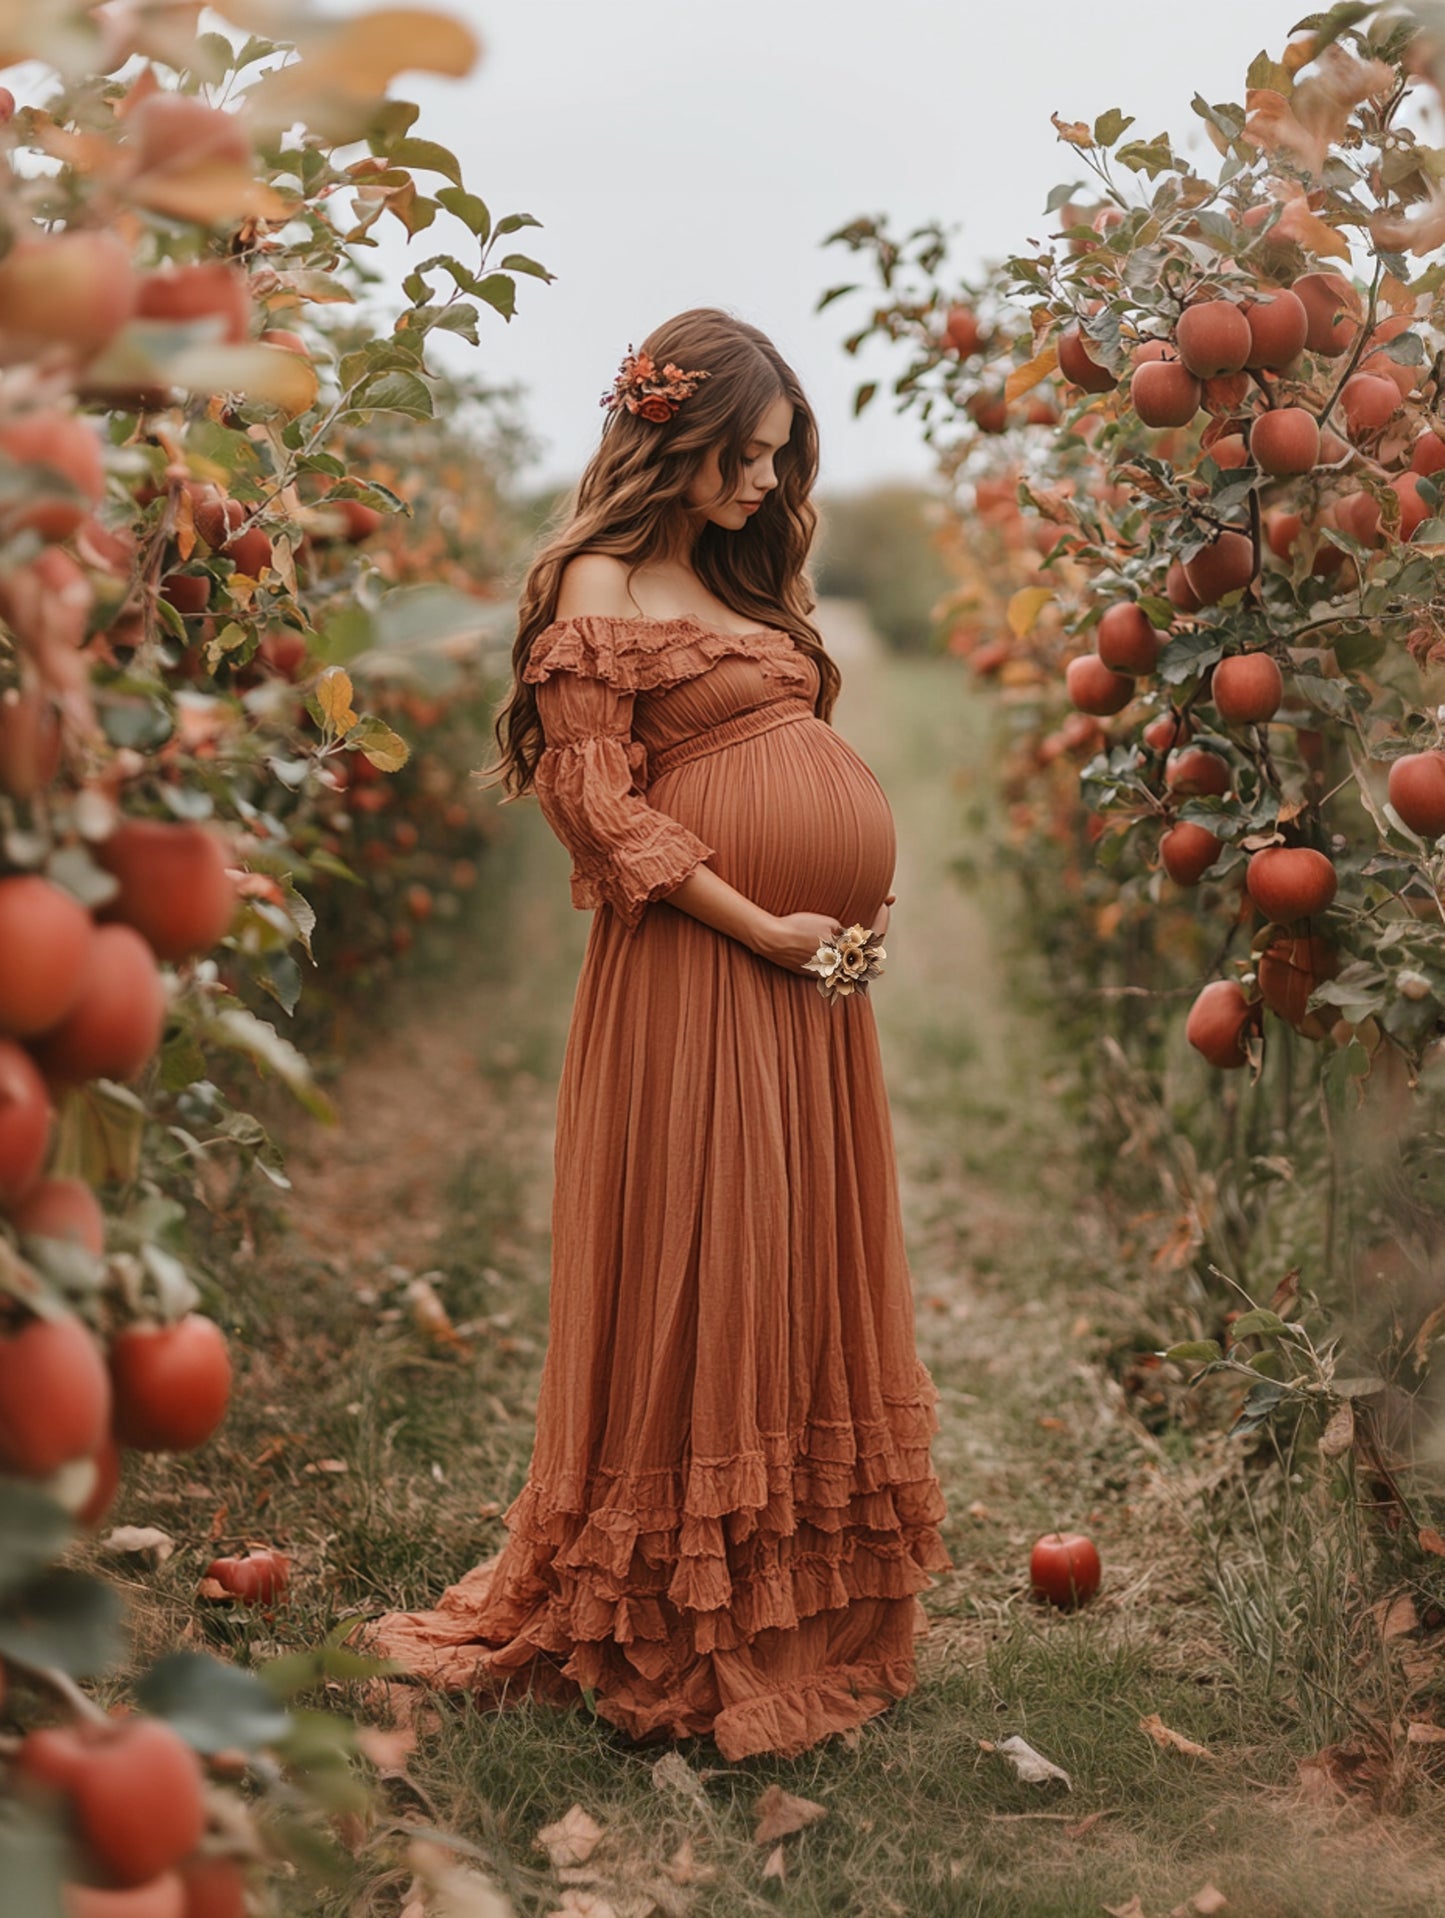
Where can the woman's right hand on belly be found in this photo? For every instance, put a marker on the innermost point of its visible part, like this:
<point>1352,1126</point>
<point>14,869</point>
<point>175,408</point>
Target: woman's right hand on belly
<point>790,940</point>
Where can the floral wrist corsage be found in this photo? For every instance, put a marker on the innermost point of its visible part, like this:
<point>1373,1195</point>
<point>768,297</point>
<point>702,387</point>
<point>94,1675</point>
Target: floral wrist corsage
<point>846,964</point>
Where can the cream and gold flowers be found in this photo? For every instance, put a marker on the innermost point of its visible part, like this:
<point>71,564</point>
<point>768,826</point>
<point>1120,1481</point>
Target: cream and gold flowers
<point>846,964</point>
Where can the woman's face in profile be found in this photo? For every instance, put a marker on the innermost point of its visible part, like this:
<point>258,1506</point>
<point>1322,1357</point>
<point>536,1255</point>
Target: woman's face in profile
<point>733,509</point>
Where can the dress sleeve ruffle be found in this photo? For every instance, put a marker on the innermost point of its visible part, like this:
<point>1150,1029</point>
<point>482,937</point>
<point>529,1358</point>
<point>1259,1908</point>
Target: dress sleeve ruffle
<point>642,655</point>
<point>590,781</point>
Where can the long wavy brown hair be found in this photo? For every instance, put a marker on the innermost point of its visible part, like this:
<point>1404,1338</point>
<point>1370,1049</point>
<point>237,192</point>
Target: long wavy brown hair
<point>631,501</point>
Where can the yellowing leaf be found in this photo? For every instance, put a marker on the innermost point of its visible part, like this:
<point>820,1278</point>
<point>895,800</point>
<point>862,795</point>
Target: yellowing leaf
<point>572,1839</point>
<point>376,741</point>
<point>1023,379</point>
<point>346,65</point>
<point>1169,1740</point>
<point>1339,1435</point>
<point>1076,132</point>
<point>334,695</point>
<point>209,194</point>
<point>267,375</point>
<point>778,1812</point>
<point>1024,609</point>
<point>1319,236</point>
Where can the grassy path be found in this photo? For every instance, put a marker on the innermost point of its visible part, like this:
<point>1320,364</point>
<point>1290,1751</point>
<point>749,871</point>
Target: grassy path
<point>394,1310</point>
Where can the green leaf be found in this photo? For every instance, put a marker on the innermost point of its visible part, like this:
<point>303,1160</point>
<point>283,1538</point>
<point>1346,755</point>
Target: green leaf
<point>281,978</point>
<point>1147,156</point>
<point>242,1031</point>
<point>172,621</point>
<point>389,123</point>
<point>296,1672</point>
<point>34,1856</point>
<point>396,392</point>
<point>182,1063</point>
<point>519,263</point>
<point>347,633</point>
<point>1061,195</point>
<point>320,1747</point>
<point>1109,126</point>
<point>1188,653</point>
<point>1262,1400</point>
<point>323,861</point>
<point>471,211</point>
<point>376,741</point>
<point>514,223</point>
<point>1326,28</point>
<point>64,1620</point>
<point>1225,118</point>
<point>499,292</point>
<point>864,394</point>
<point>211,1705</point>
<point>1194,1352</point>
<point>33,1531</point>
<point>212,58</point>
<point>1259,1323</point>
<point>460,319</point>
<point>427,154</point>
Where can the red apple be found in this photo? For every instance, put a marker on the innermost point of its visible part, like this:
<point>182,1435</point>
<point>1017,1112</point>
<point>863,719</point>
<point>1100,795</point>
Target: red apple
<point>1064,1568</point>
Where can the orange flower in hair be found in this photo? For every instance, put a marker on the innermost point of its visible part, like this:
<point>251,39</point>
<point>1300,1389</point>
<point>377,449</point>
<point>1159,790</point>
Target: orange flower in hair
<point>643,390</point>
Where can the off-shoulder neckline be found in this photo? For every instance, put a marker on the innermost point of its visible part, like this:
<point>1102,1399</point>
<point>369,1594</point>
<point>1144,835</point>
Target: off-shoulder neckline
<point>669,619</point>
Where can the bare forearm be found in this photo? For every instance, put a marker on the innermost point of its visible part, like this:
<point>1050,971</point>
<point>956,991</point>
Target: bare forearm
<point>788,940</point>
<point>705,896</point>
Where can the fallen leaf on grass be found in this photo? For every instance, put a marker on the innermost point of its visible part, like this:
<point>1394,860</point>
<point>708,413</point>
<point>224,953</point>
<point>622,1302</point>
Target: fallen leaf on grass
<point>779,1812</point>
<point>1031,1766</point>
<point>1085,1825</point>
<point>776,1867</point>
<point>572,1839</point>
<point>1431,1541</point>
<point>1205,1902</point>
<point>1421,1732</point>
<point>458,1891</point>
<point>1132,1910</point>
<point>683,1867</point>
<point>140,1541</point>
<point>1339,1771</point>
<point>1396,1617</point>
<point>673,1773</point>
<point>584,1904</point>
<point>1168,1740</point>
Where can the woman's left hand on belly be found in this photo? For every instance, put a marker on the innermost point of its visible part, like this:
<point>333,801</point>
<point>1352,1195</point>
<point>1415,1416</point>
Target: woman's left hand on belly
<point>880,924</point>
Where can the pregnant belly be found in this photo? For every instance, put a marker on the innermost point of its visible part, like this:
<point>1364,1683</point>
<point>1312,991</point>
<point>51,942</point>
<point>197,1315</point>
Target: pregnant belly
<point>796,820</point>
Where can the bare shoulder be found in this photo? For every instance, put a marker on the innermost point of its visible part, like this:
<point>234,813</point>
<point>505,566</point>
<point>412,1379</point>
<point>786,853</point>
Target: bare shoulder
<point>595,585</point>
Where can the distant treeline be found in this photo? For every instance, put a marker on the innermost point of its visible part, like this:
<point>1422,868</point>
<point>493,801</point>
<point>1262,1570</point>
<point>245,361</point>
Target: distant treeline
<point>878,547</point>
<point>875,546</point>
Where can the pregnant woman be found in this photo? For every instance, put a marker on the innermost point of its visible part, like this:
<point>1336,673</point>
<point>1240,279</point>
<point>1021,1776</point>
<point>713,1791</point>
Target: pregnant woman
<point>731,1505</point>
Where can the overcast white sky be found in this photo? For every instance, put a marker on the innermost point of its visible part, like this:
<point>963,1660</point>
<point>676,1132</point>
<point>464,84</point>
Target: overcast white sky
<point>685,154</point>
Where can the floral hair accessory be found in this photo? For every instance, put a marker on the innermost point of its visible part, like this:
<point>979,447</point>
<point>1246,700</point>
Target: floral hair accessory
<point>642,389</point>
<point>846,964</point>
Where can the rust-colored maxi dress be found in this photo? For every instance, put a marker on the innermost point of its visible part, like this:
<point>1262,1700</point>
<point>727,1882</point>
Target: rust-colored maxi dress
<point>731,1504</point>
